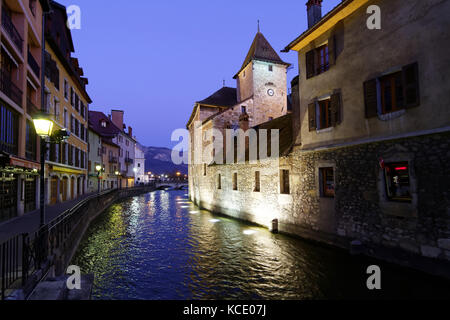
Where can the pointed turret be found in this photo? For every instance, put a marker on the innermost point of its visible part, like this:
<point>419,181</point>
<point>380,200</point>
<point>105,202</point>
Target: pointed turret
<point>261,50</point>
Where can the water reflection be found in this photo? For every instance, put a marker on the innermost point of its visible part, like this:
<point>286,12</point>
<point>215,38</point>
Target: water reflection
<point>160,246</point>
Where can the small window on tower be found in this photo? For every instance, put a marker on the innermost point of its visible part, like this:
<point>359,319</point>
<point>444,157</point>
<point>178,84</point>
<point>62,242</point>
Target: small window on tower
<point>244,109</point>
<point>270,68</point>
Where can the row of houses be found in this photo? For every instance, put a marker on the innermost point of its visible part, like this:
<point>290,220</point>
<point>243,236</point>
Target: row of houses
<point>29,38</point>
<point>364,136</point>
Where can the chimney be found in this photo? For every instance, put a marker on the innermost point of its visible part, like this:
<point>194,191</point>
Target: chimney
<point>117,118</point>
<point>314,10</point>
<point>130,132</point>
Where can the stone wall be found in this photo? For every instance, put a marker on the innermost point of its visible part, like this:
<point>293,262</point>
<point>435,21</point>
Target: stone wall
<point>360,209</point>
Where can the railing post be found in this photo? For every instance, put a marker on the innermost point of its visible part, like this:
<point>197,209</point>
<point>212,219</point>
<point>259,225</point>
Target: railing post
<point>3,270</point>
<point>25,259</point>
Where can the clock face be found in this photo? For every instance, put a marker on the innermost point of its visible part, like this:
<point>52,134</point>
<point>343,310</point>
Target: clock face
<point>270,92</point>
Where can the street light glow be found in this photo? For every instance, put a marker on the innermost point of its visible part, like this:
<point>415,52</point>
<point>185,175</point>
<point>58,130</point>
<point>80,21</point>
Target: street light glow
<point>43,127</point>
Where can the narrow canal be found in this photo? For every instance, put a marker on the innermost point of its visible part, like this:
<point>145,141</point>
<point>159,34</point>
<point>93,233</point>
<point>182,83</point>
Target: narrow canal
<point>160,246</point>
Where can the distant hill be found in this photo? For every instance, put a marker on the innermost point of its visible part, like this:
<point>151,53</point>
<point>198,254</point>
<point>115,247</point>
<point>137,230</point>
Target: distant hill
<point>159,161</point>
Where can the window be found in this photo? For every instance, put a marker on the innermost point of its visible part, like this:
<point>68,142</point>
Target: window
<point>326,176</point>
<point>235,181</point>
<point>270,67</point>
<point>77,103</point>
<point>65,118</point>
<point>317,61</point>
<point>30,141</point>
<point>219,181</point>
<point>270,118</point>
<point>398,187</point>
<point>66,90</point>
<point>244,109</point>
<point>72,97</point>
<point>204,169</point>
<point>257,181</point>
<point>325,113</point>
<point>284,182</point>
<point>103,123</point>
<point>392,92</point>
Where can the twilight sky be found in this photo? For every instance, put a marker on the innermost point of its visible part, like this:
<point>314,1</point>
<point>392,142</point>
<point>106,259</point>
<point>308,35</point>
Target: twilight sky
<point>154,59</point>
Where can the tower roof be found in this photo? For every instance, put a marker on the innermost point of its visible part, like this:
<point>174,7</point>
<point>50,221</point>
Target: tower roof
<point>225,97</point>
<point>261,50</point>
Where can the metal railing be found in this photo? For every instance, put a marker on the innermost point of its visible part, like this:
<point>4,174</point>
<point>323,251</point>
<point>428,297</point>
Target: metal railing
<point>9,88</point>
<point>11,30</point>
<point>33,64</point>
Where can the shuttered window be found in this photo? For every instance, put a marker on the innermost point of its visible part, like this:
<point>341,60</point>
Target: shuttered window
<point>257,181</point>
<point>325,113</point>
<point>319,60</point>
<point>284,182</point>
<point>392,92</point>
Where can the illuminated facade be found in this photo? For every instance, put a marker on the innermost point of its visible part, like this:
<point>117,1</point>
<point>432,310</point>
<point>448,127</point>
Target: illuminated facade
<point>20,96</point>
<point>67,101</point>
<point>369,131</point>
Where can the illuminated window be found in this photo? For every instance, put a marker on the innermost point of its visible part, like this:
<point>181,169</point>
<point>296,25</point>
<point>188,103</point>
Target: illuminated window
<point>284,182</point>
<point>324,114</point>
<point>327,182</point>
<point>257,181</point>
<point>398,187</point>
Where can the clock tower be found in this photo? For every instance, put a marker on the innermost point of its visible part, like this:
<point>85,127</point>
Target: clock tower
<point>262,82</point>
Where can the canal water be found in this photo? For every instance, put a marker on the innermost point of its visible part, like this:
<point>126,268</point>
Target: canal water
<point>160,246</point>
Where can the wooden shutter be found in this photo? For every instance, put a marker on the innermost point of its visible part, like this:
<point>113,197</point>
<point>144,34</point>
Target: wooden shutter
<point>312,116</point>
<point>332,50</point>
<point>310,61</point>
<point>335,106</point>
<point>411,85</point>
<point>371,98</point>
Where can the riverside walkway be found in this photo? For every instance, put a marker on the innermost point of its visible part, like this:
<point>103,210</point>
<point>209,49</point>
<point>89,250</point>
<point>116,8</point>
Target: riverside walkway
<point>29,222</point>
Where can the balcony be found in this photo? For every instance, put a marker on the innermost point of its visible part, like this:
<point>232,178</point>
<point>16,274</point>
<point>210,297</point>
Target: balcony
<point>9,88</point>
<point>33,64</point>
<point>11,30</point>
<point>113,160</point>
<point>31,107</point>
<point>129,160</point>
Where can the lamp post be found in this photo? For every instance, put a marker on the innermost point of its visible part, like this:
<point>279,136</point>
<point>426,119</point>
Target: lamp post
<point>98,168</point>
<point>117,175</point>
<point>44,128</point>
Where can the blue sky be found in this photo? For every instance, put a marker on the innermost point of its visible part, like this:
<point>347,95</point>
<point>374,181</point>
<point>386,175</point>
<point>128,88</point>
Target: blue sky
<point>154,59</point>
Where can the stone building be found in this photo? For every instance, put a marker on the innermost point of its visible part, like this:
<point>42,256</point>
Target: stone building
<point>67,101</point>
<point>140,176</point>
<point>368,157</point>
<point>102,126</point>
<point>125,140</point>
<point>20,96</point>
<point>95,157</point>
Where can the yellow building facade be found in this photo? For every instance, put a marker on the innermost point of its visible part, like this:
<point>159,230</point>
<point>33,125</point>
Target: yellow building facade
<point>66,100</point>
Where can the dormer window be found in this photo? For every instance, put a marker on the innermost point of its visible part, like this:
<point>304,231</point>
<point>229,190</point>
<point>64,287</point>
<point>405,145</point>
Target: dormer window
<point>103,123</point>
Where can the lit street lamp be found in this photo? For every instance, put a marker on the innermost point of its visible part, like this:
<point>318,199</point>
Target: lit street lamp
<point>44,127</point>
<point>117,175</point>
<point>98,168</point>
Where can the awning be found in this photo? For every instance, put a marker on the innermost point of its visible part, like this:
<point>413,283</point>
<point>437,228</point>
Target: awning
<point>66,170</point>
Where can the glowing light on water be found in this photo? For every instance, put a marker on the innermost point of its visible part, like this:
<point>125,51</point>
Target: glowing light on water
<point>249,232</point>
<point>214,220</point>
<point>184,207</point>
<point>194,212</point>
